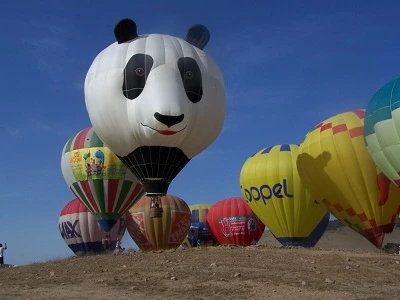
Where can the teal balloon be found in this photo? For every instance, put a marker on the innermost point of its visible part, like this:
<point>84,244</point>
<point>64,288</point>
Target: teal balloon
<point>382,129</point>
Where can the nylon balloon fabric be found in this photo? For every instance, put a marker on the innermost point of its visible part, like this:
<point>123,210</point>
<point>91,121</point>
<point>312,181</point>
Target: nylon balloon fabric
<point>167,232</point>
<point>232,222</point>
<point>199,228</point>
<point>272,187</point>
<point>382,129</point>
<point>81,231</point>
<point>98,178</point>
<point>156,100</point>
<point>335,166</point>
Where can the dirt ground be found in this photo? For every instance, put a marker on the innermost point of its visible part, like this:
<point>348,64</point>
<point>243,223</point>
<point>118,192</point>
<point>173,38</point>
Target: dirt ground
<point>224,272</point>
<point>262,272</point>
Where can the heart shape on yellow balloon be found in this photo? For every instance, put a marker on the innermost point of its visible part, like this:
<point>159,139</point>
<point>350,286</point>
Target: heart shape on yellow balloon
<point>336,168</point>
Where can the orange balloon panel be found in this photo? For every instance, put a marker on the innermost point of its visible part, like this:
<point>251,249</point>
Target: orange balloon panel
<point>167,232</point>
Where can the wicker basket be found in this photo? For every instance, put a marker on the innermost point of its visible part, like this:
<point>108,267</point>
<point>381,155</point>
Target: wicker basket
<point>156,212</point>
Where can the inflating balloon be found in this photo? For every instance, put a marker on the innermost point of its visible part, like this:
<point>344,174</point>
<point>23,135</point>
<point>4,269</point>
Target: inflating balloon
<point>98,178</point>
<point>167,232</point>
<point>336,168</point>
<point>199,229</point>
<point>273,189</point>
<point>382,129</point>
<point>156,101</point>
<point>81,231</point>
<point>231,221</point>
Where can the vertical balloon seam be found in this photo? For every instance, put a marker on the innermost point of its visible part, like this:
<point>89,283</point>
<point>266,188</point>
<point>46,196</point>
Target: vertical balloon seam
<point>282,204</point>
<point>347,181</point>
<point>270,174</point>
<point>365,206</point>
<point>393,160</point>
<point>300,189</point>
<point>295,214</point>
<point>370,189</point>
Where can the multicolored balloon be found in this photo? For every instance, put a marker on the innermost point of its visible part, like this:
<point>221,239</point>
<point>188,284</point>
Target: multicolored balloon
<point>156,101</point>
<point>382,129</point>
<point>98,178</point>
<point>334,165</point>
<point>199,229</point>
<point>81,231</point>
<point>273,189</point>
<point>167,232</point>
<point>231,221</point>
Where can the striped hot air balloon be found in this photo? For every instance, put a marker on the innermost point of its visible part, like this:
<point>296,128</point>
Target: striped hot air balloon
<point>98,178</point>
<point>336,168</point>
<point>273,189</point>
<point>81,231</point>
<point>167,232</point>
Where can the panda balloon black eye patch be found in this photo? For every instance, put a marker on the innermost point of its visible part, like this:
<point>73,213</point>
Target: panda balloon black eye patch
<point>191,77</point>
<point>135,75</point>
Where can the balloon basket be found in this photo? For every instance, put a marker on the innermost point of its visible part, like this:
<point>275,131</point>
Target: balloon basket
<point>156,212</point>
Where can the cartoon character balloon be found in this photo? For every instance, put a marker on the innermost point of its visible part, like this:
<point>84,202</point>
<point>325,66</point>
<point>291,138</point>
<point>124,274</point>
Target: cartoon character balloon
<point>98,178</point>
<point>382,129</point>
<point>156,101</point>
<point>334,165</point>
<point>273,189</point>
<point>81,231</point>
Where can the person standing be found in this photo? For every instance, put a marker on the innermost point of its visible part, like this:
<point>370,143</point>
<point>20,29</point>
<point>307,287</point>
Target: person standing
<point>2,253</point>
<point>106,242</point>
<point>118,247</point>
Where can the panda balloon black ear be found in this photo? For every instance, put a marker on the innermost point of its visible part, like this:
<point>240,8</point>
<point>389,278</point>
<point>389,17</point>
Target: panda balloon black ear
<point>125,30</point>
<point>198,36</point>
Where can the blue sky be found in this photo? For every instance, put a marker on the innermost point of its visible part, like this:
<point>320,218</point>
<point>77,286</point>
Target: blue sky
<point>287,66</point>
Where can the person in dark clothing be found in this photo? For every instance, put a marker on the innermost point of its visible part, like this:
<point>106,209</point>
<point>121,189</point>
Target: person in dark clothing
<point>2,253</point>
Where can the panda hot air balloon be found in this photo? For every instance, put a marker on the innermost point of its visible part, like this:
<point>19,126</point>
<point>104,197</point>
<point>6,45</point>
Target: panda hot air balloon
<point>98,178</point>
<point>156,101</point>
<point>81,231</point>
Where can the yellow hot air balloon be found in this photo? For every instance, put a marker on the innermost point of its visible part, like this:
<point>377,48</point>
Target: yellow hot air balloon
<point>272,187</point>
<point>335,166</point>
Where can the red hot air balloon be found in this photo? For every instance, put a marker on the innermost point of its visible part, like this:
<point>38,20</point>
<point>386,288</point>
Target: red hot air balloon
<point>231,221</point>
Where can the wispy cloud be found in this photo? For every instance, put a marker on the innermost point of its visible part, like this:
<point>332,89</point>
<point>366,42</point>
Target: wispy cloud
<point>14,132</point>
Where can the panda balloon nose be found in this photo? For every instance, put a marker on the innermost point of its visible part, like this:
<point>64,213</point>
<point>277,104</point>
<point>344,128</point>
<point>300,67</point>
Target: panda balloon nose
<point>168,120</point>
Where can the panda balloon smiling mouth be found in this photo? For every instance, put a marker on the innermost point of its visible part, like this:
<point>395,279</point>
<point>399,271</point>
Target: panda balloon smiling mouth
<point>169,121</point>
<point>164,132</point>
